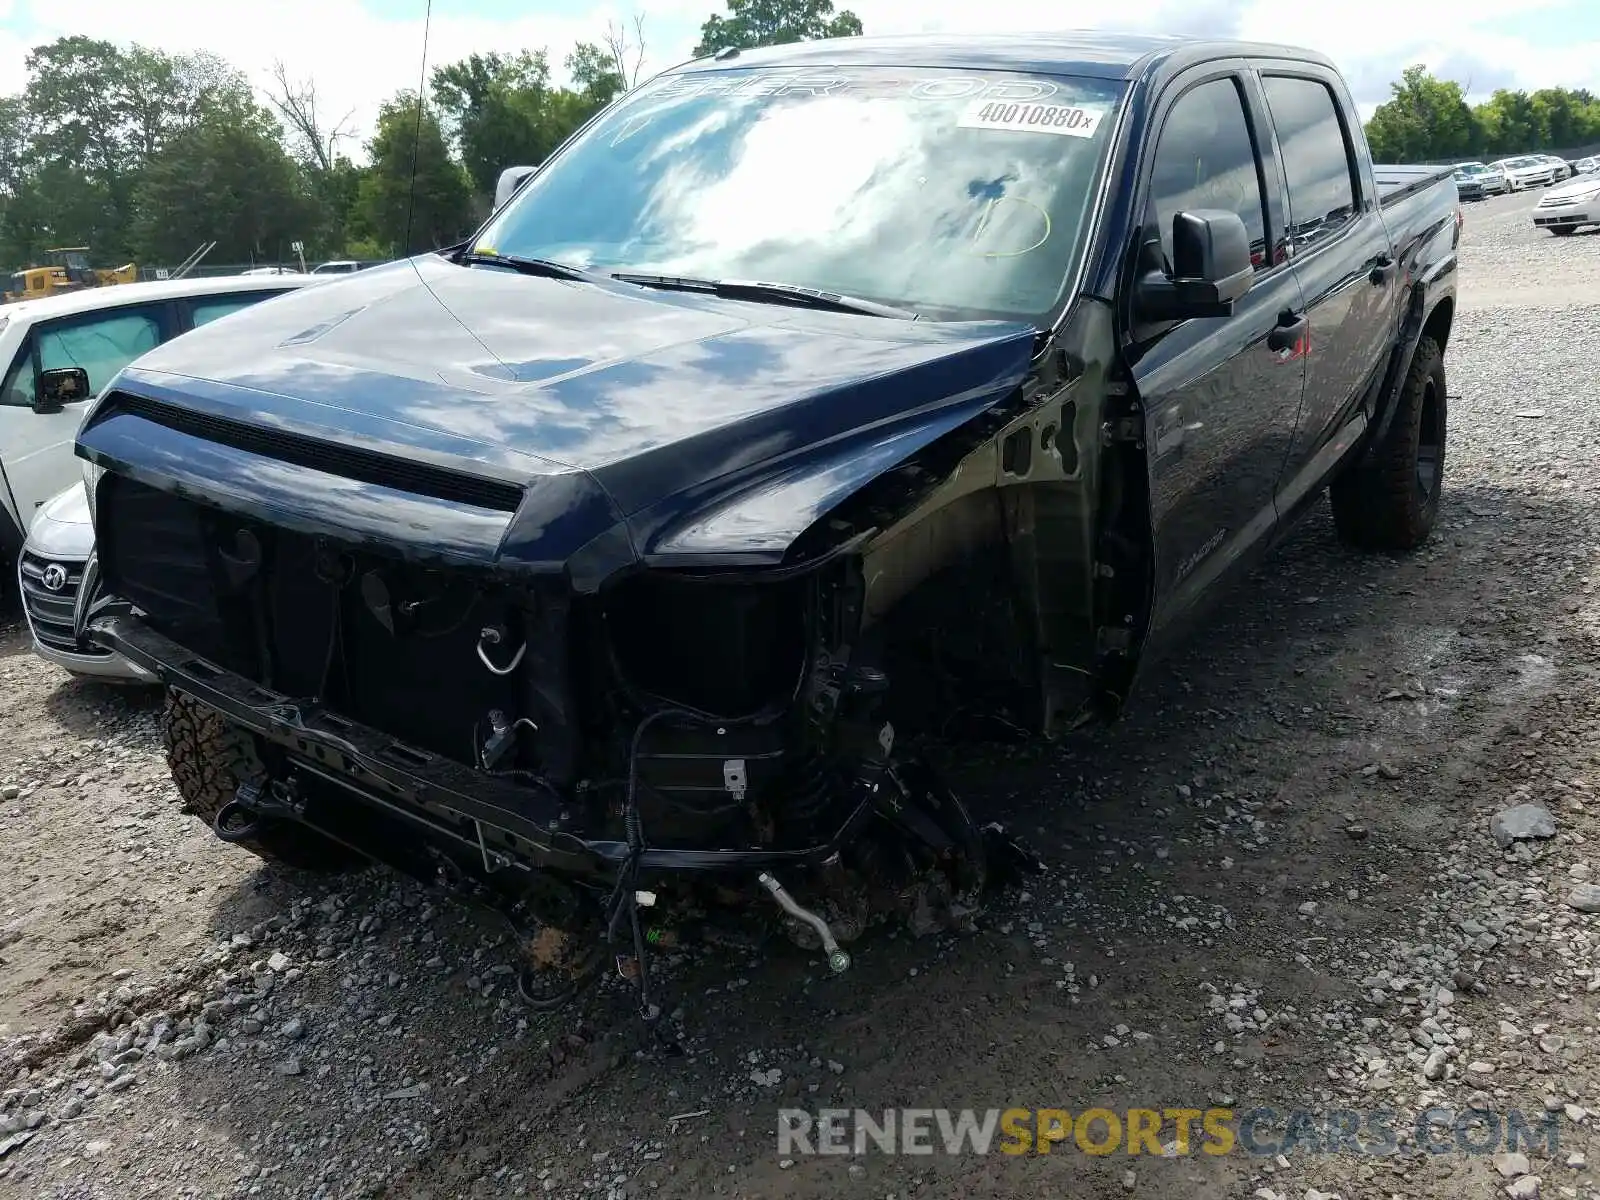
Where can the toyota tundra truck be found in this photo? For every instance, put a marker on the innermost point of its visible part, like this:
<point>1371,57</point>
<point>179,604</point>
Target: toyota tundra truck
<point>809,404</point>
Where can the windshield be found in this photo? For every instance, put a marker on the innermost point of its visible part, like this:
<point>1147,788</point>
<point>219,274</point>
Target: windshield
<point>955,194</point>
<point>1519,162</point>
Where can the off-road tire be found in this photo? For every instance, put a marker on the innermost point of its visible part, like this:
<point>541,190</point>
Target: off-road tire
<point>209,758</point>
<point>1562,230</point>
<point>1380,503</point>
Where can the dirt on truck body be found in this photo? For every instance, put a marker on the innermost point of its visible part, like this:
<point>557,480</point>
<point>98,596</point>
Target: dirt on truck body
<point>584,569</point>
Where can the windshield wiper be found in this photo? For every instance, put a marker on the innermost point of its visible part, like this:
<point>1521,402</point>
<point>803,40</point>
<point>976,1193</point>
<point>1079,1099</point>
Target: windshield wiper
<point>769,293</point>
<point>549,268</point>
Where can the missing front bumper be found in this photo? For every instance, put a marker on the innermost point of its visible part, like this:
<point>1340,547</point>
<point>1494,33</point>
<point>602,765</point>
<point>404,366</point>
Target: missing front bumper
<point>529,827</point>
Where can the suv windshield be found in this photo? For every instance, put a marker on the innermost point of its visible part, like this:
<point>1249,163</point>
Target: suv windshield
<point>955,194</point>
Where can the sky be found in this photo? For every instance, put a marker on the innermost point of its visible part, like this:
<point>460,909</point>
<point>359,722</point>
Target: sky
<point>359,52</point>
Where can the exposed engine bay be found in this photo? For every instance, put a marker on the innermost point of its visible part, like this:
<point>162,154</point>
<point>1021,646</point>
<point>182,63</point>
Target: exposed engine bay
<point>651,744</point>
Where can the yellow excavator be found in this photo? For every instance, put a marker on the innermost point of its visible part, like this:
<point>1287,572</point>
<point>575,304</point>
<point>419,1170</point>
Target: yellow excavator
<point>68,271</point>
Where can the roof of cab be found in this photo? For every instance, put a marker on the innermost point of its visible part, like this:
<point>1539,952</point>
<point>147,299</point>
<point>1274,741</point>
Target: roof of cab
<point>1091,53</point>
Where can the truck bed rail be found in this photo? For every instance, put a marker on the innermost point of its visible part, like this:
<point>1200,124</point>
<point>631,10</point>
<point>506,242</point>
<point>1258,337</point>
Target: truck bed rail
<point>1396,181</point>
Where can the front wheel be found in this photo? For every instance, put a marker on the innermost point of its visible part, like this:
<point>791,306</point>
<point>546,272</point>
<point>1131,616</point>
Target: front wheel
<point>1562,230</point>
<point>209,759</point>
<point>1389,500</point>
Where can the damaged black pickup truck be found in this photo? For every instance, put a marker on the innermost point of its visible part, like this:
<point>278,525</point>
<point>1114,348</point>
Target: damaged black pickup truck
<point>807,401</point>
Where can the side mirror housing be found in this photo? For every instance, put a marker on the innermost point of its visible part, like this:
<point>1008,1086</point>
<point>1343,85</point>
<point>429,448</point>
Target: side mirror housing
<point>59,386</point>
<point>510,180</point>
<point>1211,268</point>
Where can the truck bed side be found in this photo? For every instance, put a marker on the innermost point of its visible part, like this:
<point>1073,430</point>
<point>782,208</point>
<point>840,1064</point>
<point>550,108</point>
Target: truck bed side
<point>1422,210</point>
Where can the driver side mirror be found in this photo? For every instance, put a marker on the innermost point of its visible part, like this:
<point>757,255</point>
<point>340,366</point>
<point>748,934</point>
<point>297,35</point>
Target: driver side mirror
<point>58,386</point>
<point>1211,269</point>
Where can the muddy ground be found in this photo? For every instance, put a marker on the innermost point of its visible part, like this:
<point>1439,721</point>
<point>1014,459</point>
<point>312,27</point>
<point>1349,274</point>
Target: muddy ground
<point>1273,884</point>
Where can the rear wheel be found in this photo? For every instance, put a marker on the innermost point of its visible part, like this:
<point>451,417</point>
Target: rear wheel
<point>1390,499</point>
<point>209,759</point>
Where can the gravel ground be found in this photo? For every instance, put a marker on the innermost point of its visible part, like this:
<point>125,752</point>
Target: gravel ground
<point>1275,883</point>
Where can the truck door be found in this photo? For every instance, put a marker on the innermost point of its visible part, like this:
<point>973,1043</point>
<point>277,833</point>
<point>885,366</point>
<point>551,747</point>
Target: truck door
<point>1220,394</point>
<point>1338,244</point>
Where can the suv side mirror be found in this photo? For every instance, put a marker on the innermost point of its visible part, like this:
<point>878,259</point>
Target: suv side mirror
<point>1211,268</point>
<point>58,386</point>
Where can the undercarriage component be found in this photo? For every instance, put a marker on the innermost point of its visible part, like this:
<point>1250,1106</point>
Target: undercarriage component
<point>556,965</point>
<point>592,767</point>
<point>838,958</point>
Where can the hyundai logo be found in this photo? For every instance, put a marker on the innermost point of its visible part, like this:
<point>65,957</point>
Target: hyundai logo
<point>54,577</point>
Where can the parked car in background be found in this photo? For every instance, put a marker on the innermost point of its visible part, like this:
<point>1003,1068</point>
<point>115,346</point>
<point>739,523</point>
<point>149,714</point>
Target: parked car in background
<point>95,334</point>
<point>1588,166</point>
<point>1568,205</point>
<point>1562,168</point>
<point>1526,171</point>
<point>1472,180</point>
<point>269,271</point>
<point>338,266</point>
<point>1492,178</point>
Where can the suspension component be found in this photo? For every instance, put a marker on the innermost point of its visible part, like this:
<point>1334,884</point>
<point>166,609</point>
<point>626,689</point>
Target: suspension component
<point>838,958</point>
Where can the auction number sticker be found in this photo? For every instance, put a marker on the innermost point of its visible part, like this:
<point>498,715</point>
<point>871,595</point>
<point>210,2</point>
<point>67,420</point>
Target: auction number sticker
<point>1066,119</point>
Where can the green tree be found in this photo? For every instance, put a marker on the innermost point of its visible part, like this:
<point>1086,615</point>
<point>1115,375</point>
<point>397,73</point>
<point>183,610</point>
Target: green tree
<point>1426,118</point>
<point>414,197</point>
<point>226,178</point>
<point>752,23</point>
<point>76,100</point>
<point>594,74</point>
<point>502,110</point>
<point>58,204</point>
<point>1429,118</point>
<point>1511,123</point>
<point>14,142</point>
<point>313,138</point>
<point>97,114</point>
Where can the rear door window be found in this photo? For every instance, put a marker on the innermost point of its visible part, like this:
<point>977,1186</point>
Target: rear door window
<point>1206,158</point>
<point>1317,159</point>
<point>205,309</point>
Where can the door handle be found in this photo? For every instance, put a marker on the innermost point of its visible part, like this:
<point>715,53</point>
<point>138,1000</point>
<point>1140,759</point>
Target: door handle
<point>1289,329</point>
<point>1382,270</point>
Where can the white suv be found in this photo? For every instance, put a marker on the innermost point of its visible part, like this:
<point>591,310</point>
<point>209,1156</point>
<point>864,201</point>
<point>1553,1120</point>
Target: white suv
<point>55,356</point>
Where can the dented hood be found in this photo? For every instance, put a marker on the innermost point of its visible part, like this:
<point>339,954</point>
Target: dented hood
<point>665,400</point>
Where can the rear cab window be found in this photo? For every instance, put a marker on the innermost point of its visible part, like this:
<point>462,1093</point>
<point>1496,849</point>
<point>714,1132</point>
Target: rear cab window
<point>205,309</point>
<point>1318,159</point>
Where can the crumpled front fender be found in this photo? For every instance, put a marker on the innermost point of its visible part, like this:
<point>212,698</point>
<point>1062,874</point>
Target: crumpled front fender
<point>758,524</point>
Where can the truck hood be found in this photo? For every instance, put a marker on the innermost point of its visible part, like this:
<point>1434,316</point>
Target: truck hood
<point>664,400</point>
